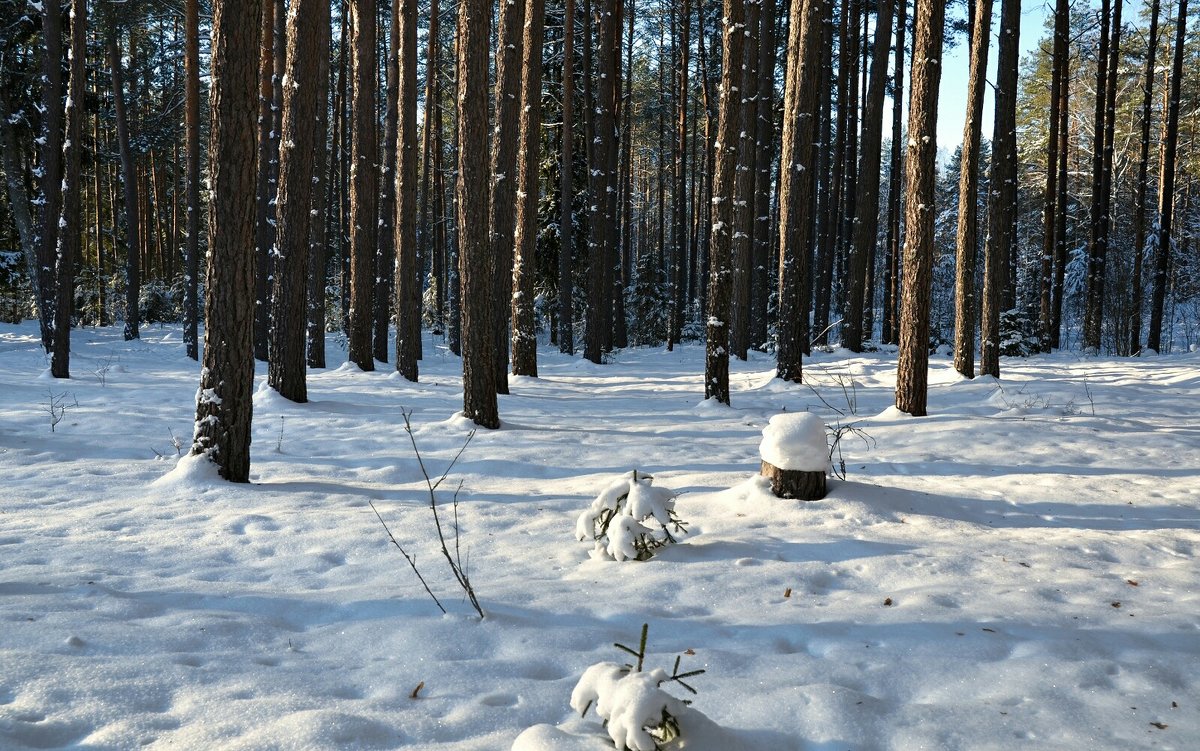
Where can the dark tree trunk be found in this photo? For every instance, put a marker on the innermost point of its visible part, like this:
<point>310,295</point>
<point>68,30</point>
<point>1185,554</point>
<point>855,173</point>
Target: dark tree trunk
<point>796,180</point>
<point>408,271</point>
<point>792,483</point>
<point>1062,64</point>
<point>505,140</point>
<point>191,252</point>
<point>51,169</point>
<point>307,39</point>
<point>866,218</point>
<point>716,359</point>
<point>1139,204</point>
<point>324,195</point>
<point>1058,120</point>
<point>364,182</point>
<point>679,198</point>
<point>524,335</point>
<point>601,216</point>
<point>1166,185</point>
<point>224,401</point>
<point>1097,248</point>
<point>764,147</point>
<point>70,223</point>
<point>129,181</point>
<point>967,242</point>
<point>891,274</point>
<point>475,264</point>
<point>566,224</point>
<point>386,253</point>
<point>742,241</point>
<point>1002,199</point>
<point>912,375</point>
<point>12,163</point>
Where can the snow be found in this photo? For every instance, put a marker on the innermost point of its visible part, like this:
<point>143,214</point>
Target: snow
<point>982,579</point>
<point>795,441</point>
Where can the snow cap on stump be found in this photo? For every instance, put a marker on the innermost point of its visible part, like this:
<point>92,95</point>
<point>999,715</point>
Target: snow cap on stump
<point>795,455</point>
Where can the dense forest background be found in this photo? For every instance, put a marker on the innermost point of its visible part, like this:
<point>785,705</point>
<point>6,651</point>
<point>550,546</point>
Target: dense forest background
<point>634,270</point>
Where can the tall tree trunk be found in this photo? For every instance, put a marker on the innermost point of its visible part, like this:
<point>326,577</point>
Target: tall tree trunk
<point>866,218</point>
<point>191,252</point>
<point>1058,120</point>
<point>307,40</point>
<point>912,374</point>
<point>408,271</point>
<point>566,224</point>
<point>324,195</point>
<point>476,264</point>
<point>264,236</point>
<point>129,181</point>
<point>598,329</point>
<point>70,222</point>
<point>524,335</point>
<point>741,249</point>
<point>764,147</point>
<point>1002,199</point>
<point>716,359</point>
<point>224,403</point>
<point>387,252</point>
<point>1097,247</point>
<point>1166,184</point>
<point>51,168</point>
<point>1139,204</point>
<point>967,242</point>
<point>12,164</point>
<point>431,162</point>
<point>505,139</point>
<point>891,274</point>
<point>796,180</point>
<point>679,199</point>
<point>364,182</point>
<point>1062,65</point>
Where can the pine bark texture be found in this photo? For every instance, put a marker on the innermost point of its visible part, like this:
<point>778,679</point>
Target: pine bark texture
<point>1139,204</point>
<point>408,272</point>
<point>129,183</point>
<point>566,195</point>
<point>797,484</point>
<point>191,249</point>
<point>307,35</point>
<point>1002,200</point>
<point>50,185</point>
<point>476,266</point>
<point>364,182</point>
<point>796,182</point>
<point>505,142</point>
<point>967,237</point>
<point>524,333</point>
<point>224,402</point>
<point>1166,184</point>
<point>1097,245</point>
<point>866,219</point>
<point>720,280</point>
<point>912,376</point>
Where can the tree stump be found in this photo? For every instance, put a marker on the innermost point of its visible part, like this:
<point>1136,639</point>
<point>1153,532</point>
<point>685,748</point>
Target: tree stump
<point>795,483</point>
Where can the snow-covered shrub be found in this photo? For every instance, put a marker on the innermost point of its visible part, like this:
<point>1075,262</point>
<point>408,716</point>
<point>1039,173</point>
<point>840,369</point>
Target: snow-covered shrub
<point>1019,334</point>
<point>638,714</point>
<point>630,519</point>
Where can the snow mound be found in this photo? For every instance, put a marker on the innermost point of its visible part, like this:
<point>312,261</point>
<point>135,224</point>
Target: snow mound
<point>795,441</point>
<point>192,471</point>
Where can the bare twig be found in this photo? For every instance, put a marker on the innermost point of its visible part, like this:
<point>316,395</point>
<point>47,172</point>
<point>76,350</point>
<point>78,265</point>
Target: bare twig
<point>411,561</point>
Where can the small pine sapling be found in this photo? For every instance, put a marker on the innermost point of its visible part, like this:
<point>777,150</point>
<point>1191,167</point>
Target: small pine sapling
<point>638,714</point>
<point>619,517</point>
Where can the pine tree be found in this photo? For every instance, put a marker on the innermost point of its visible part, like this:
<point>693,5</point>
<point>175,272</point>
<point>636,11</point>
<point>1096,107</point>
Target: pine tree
<point>364,183</point>
<point>524,335</point>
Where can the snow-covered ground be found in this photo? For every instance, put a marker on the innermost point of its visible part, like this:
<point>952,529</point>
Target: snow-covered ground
<point>1017,570</point>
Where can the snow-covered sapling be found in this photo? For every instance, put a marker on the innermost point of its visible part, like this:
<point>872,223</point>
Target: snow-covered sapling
<point>630,519</point>
<point>638,714</point>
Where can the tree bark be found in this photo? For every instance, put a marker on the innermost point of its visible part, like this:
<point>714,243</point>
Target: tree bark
<point>1166,184</point>
<point>1002,200</point>
<point>50,184</point>
<point>364,182</point>
<point>129,182</point>
<point>967,243</point>
<point>791,483</point>
<point>191,252</point>
<point>70,223</point>
<point>716,358</point>
<point>524,335</point>
<point>566,224</point>
<point>476,265</point>
<point>388,251</point>
<point>866,218</point>
<point>324,195</point>
<point>912,376</point>
<point>742,240</point>
<point>307,40</point>
<point>1097,247</point>
<point>224,403</point>
<point>408,271</point>
<point>891,275</point>
<point>1139,203</point>
<point>796,180</point>
<point>1062,61</point>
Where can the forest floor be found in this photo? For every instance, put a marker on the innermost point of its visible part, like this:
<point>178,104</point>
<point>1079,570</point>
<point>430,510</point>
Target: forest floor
<point>1017,570</point>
